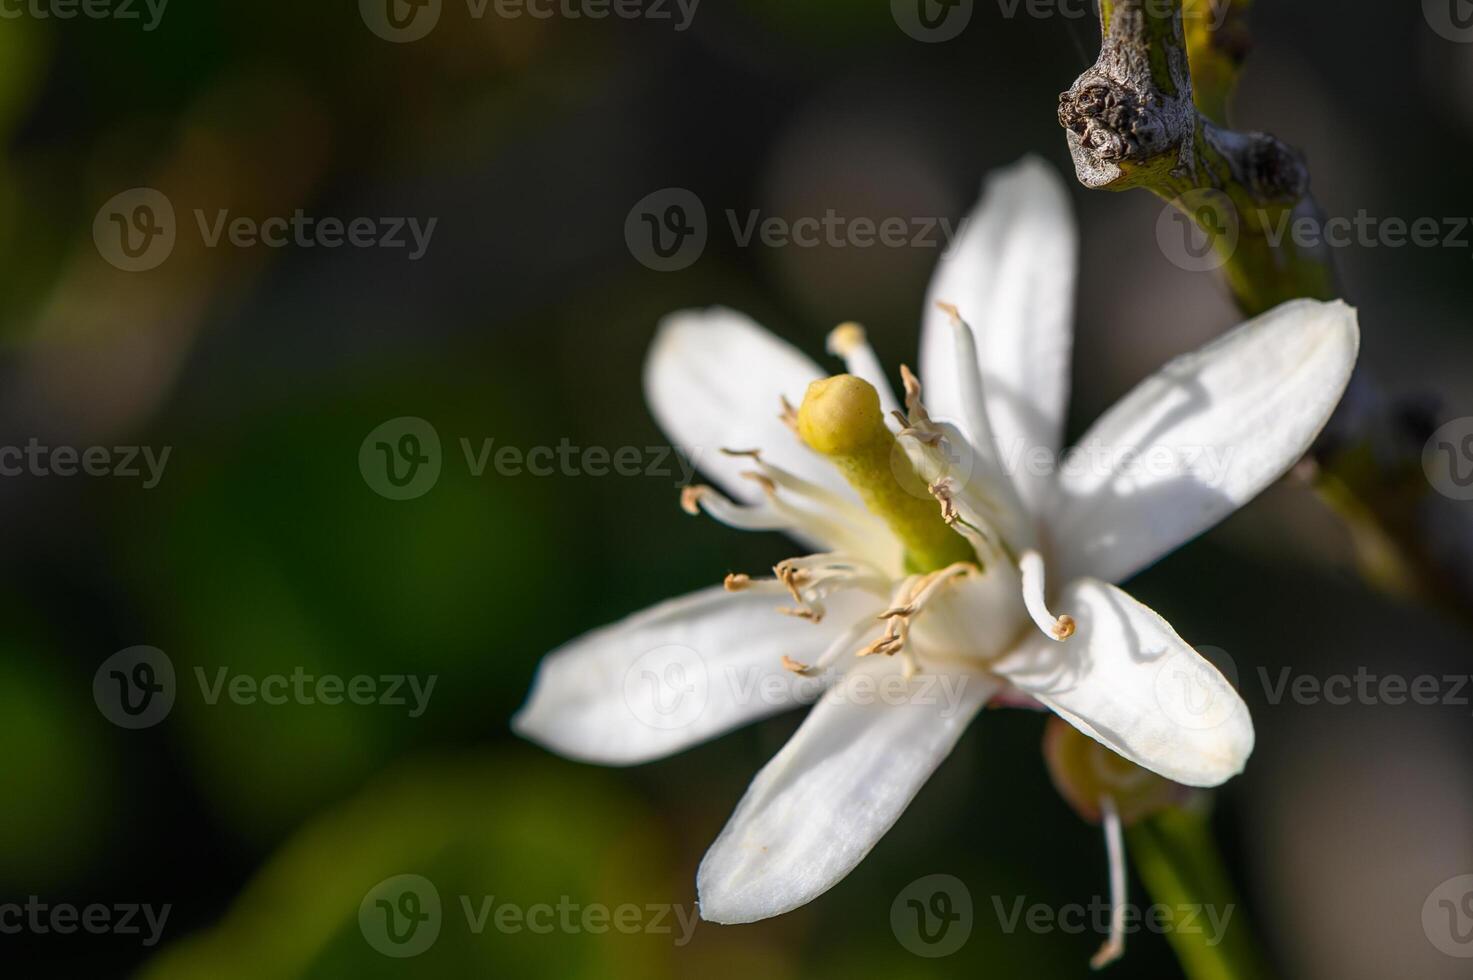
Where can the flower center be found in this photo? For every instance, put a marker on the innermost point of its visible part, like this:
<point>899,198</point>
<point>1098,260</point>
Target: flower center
<point>841,419</point>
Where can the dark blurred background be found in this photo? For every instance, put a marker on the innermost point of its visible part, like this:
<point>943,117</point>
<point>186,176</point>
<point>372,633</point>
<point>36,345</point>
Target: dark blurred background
<point>264,549</point>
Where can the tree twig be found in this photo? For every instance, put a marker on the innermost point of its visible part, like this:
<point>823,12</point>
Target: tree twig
<point>1133,121</point>
<point>1152,113</point>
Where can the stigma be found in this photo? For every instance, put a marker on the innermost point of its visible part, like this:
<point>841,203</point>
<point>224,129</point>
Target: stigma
<point>841,419</point>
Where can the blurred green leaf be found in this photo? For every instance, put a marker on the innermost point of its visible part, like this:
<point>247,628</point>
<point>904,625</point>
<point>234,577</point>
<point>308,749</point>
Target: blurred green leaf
<point>512,831</point>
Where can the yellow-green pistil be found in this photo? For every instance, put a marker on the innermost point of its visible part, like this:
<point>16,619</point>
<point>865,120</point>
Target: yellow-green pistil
<point>841,419</point>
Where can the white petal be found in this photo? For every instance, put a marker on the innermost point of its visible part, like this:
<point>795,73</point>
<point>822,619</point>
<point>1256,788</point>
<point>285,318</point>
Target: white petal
<point>1010,275</point>
<point>679,673</point>
<point>1128,681</point>
<point>1201,438</point>
<point>843,780</point>
<point>714,380</point>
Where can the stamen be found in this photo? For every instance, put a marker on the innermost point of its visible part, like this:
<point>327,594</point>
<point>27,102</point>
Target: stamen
<point>928,586</point>
<point>910,599</point>
<point>849,342</point>
<point>965,511</point>
<point>789,414</point>
<point>737,582</point>
<point>1057,627</point>
<point>969,377</point>
<point>1114,946</point>
<point>812,578</point>
<point>913,405</point>
<point>848,642</point>
<point>977,423</point>
<point>697,498</point>
<point>798,668</point>
<point>816,522</point>
<point>821,497</point>
<point>945,492</point>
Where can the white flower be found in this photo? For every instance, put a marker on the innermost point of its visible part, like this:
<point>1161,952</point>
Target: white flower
<point>906,624</point>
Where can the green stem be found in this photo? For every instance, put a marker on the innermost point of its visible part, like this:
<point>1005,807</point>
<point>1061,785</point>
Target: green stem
<point>1178,861</point>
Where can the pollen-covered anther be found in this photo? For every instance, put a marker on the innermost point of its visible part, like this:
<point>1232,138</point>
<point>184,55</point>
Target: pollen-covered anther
<point>944,490</point>
<point>789,414</point>
<point>737,582</point>
<point>1030,568</point>
<point>794,577</point>
<point>762,480</point>
<point>845,339</point>
<point>791,576</point>
<point>798,668</point>
<point>913,404</point>
<point>923,434</point>
<point>698,497</point>
<point>910,601</point>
